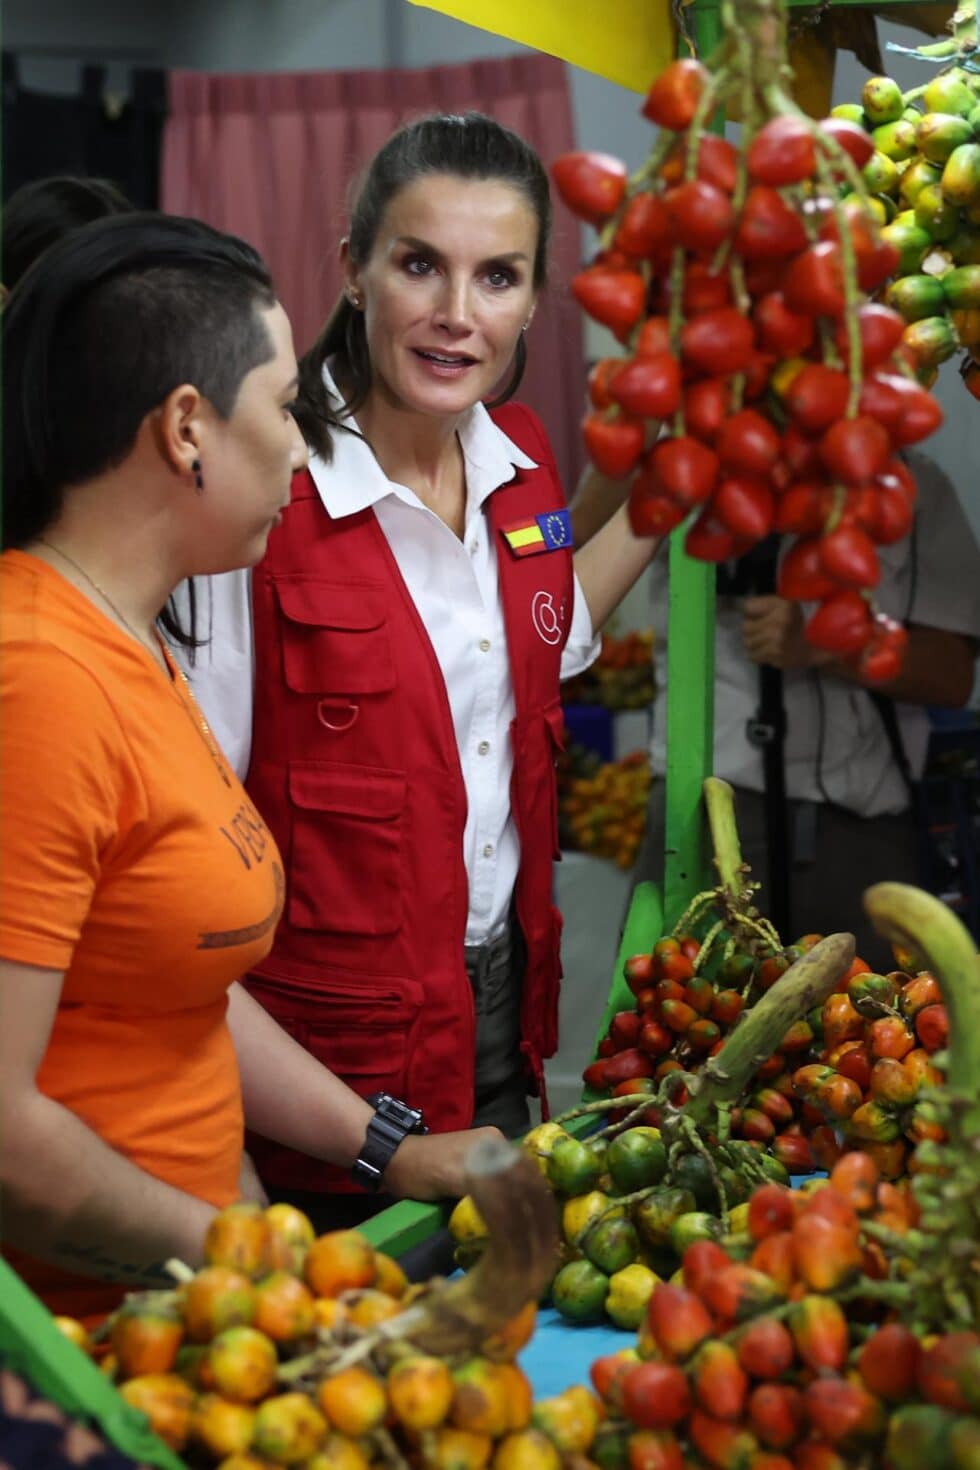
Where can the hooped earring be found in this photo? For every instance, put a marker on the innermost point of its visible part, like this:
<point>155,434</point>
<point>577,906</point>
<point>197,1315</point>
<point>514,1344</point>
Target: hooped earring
<point>198,477</point>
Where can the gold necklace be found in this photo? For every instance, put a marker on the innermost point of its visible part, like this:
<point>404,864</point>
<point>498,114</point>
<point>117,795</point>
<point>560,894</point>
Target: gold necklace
<point>181,683</point>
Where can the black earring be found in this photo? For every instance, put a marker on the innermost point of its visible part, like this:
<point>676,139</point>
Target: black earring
<point>198,477</point>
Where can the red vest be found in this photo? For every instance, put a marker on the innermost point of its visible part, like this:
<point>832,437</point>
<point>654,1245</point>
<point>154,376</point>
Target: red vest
<point>355,769</point>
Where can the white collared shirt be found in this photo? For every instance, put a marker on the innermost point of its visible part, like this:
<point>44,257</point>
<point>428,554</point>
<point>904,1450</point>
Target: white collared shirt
<point>454,585</point>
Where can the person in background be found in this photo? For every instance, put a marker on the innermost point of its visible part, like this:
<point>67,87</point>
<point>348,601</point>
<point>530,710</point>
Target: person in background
<point>400,733</point>
<point>850,759</point>
<point>42,212</point>
<point>139,882</point>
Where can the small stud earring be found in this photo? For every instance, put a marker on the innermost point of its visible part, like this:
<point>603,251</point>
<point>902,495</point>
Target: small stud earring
<point>525,326</point>
<point>354,300</point>
<point>198,477</point>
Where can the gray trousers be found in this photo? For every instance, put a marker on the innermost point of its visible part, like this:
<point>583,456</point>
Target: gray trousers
<point>835,856</point>
<point>496,972</point>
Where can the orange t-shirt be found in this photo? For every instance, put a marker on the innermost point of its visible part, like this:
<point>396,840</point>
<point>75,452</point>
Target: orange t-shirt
<point>132,860</point>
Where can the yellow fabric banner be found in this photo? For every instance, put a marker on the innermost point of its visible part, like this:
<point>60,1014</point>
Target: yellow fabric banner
<point>626,41</point>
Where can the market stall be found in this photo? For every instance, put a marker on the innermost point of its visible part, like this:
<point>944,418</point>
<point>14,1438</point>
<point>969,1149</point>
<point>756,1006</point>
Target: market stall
<point>755,1305</point>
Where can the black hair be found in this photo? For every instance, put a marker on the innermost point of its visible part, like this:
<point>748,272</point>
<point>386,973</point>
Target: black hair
<point>40,213</point>
<point>468,146</point>
<point>99,330</point>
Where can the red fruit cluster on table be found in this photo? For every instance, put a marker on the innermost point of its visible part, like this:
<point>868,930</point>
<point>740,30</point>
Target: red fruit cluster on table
<point>738,283</point>
<point>755,1364</point>
<point>847,1076</point>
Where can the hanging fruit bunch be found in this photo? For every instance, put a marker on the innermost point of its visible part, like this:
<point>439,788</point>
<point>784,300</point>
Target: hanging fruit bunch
<point>838,1331</point>
<point>849,1074</point>
<point>925,178</point>
<point>738,281</point>
<point>289,1349</point>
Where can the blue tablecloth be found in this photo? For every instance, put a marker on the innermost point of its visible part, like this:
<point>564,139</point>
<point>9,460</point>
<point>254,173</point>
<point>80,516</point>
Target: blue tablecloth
<point>561,1352</point>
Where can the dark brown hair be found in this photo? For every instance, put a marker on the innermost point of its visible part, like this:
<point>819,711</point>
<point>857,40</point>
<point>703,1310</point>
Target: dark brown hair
<point>469,146</point>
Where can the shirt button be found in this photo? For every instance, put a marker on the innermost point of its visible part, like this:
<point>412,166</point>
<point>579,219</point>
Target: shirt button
<point>474,547</point>
<point>484,645</point>
<point>483,747</point>
<point>488,850</point>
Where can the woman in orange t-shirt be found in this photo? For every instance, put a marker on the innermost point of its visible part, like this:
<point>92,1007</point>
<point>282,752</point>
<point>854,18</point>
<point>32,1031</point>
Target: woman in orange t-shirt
<point>149,373</point>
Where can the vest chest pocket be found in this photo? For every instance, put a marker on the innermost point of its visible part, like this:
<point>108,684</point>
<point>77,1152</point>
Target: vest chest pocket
<point>335,637</point>
<point>345,850</point>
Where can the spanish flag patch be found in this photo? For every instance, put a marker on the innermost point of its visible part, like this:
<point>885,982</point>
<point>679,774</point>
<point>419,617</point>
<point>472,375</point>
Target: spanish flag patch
<point>549,532</point>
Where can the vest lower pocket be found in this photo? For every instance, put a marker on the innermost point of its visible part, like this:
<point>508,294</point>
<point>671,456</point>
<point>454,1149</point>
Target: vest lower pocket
<point>345,855</point>
<point>360,1031</point>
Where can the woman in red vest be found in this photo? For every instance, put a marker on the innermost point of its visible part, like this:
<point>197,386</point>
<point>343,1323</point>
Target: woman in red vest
<point>409,627</point>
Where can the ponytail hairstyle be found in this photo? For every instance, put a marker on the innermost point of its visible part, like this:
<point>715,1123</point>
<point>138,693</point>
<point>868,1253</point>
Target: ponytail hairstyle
<point>467,146</point>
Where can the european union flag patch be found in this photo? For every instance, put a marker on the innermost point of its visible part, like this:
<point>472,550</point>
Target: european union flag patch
<point>549,532</point>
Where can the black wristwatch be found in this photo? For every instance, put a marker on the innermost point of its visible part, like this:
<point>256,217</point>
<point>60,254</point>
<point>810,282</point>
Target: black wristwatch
<point>392,1121</point>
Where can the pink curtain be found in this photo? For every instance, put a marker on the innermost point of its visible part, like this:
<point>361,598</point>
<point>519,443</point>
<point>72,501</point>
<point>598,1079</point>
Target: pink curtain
<point>272,158</point>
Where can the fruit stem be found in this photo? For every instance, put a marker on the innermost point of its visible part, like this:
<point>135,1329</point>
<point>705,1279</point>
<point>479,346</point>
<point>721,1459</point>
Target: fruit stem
<point>719,800</point>
<point>761,1028</point>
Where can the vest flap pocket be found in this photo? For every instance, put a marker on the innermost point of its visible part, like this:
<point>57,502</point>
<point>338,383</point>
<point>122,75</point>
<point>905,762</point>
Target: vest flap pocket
<point>335,637</point>
<point>345,857</point>
<point>330,604</point>
<point>355,791</point>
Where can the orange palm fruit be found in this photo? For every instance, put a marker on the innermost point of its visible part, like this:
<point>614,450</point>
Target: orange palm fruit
<point>526,1449</point>
<point>888,1362</point>
<point>221,1427</point>
<point>520,1394</point>
<point>329,1312</point>
<point>774,1257</point>
<point>765,1348</point>
<point>354,1401</point>
<point>889,1036</point>
<point>720,1383</point>
<point>844,1412</point>
<point>166,1400</point>
<point>776,1414</point>
<point>481,1398</point>
<point>340,1261</point>
<point>725,1446</point>
<point>145,1338</point>
<point>290,1236</point>
<point>889,1157</point>
<point>702,1259</point>
<point>831,1205</point>
<point>740,1291</point>
<point>75,1332</point>
<point>239,1236</point>
<point>824,1146</point>
<point>569,1419</point>
<point>825,1253</point>
<point>938,1369</point>
<point>504,1344</point>
<point>841,1021</point>
<point>817,1455</point>
<point>855,1176</point>
<point>288,1428</point>
<point>390,1278</point>
<point>923,990</point>
<point>871,1123</point>
<point>650,1449</point>
<point>771,1209</point>
<point>892,1084</point>
<point>420,1392</point>
<point>678,1319</point>
<point>284,1308</point>
<point>459,1449</point>
<point>241,1365</point>
<point>215,1298</point>
<point>367,1307</point>
<point>819,1330</point>
<point>338,1453</point>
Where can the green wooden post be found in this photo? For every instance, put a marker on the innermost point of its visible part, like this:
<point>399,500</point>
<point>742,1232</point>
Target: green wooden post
<point>690,667</point>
